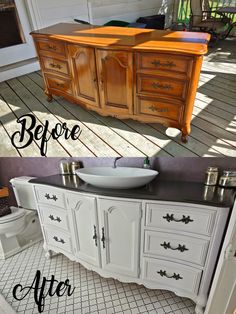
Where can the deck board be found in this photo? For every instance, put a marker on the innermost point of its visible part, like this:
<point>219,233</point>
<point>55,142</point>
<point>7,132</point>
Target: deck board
<point>213,121</point>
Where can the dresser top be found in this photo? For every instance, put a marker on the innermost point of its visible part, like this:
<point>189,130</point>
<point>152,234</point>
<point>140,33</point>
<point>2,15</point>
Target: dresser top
<point>128,38</point>
<point>186,192</point>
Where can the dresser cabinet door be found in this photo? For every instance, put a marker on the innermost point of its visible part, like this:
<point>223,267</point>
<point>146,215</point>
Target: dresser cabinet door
<point>115,74</point>
<point>119,223</point>
<point>84,74</point>
<point>84,215</point>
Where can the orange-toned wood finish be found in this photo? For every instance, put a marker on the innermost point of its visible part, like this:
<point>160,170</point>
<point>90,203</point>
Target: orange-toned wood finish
<point>147,75</point>
<point>4,192</point>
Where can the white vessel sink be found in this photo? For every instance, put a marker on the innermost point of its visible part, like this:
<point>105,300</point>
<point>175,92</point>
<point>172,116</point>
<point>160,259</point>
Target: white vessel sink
<point>116,178</point>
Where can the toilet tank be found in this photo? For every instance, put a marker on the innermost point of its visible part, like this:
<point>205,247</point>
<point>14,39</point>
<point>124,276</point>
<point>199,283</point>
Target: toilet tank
<point>23,191</point>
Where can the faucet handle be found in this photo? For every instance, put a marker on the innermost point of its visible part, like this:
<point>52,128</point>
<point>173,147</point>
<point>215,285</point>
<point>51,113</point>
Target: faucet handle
<point>115,161</point>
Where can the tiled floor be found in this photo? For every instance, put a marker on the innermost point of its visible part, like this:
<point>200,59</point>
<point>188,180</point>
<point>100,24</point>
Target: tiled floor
<point>92,294</point>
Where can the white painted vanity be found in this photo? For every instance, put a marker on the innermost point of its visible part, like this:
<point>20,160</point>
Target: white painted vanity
<point>160,244</point>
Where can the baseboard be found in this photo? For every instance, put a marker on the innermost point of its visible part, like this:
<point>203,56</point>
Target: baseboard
<point>18,69</point>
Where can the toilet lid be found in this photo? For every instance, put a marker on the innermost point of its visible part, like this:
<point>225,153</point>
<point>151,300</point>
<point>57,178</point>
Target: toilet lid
<point>15,214</point>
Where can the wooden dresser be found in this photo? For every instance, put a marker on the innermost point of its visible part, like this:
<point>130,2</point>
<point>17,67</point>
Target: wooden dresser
<point>142,74</point>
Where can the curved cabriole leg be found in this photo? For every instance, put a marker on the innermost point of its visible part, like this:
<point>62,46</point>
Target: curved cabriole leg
<point>48,254</point>
<point>185,133</point>
<point>49,96</point>
<point>200,304</point>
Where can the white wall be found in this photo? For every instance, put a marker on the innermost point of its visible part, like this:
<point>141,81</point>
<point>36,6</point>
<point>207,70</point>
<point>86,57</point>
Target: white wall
<point>48,12</point>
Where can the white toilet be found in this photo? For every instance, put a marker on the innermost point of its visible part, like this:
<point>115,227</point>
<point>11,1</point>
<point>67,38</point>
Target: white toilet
<point>21,228</point>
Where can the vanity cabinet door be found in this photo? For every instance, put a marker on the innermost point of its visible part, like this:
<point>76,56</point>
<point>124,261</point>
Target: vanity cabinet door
<point>84,74</point>
<point>119,223</point>
<point>115,74</point>
<point>84,216</point>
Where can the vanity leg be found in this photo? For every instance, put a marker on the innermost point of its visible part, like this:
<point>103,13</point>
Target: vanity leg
<point>200,304</point>
<point>48,254</point>
<point>49,96</point>
<point>185,133</point>
<point>199,309</point>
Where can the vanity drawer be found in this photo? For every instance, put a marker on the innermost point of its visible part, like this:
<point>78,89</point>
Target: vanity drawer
<point>175,246</point>
<point>164,62</point>
<point>54,217</point>
<point>59,239</point>
<point>50,196</point>
<point>158,108</point>
<point>59,84</point>
<point>160,85</point>
<point>55,65</point>
<point>180,217</point>
<point>171,274</point>
<point>51,46</point>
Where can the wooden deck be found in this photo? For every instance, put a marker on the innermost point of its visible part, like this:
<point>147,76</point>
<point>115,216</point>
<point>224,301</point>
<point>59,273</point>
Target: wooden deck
<point>213,122</point>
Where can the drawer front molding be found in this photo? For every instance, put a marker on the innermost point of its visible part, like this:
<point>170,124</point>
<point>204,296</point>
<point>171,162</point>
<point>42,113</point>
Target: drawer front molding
<point>180,218</point>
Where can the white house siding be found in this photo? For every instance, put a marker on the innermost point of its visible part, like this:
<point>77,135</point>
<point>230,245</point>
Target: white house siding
<point>127,10</point>
<point>47,12</point>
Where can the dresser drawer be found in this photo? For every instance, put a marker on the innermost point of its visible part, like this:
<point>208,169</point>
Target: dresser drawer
<point>54,217</point>
<point>59,239</point>
<point>164,62</point>
<point>51,46</point>
<point>158,85</point>
<point>55,65</point>
<point>170,274</point>
<point>175,246</point>
<point>158,108</point>
<point>50,196</point>
<point>59,84</point>
<point>182,218</point>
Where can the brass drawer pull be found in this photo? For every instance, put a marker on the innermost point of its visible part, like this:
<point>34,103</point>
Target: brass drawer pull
<point>59,240</point>
<point>175,276</point>
<point>60,85</point>
<point>161,110</point>
<point>55,66</point>
<point>184,219</point>
<point>53,197</point>
<point>168,64</point>
<point>180,247</point>
<point>157,85</point>
<point>50,47</point>
<point>58,219</point>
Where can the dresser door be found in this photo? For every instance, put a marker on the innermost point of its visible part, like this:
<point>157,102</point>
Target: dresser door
<point>84,74</point>
<point>115,74</point>
<point>84,215</point>
<point>119,223</point>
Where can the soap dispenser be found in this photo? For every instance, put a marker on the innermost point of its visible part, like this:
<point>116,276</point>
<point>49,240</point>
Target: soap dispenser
<point>146,163</point>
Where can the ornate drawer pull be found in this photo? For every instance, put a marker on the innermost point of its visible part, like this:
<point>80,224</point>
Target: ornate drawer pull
<point>174,276</point>
<point>48,197</point>
<point>103,238</point>
<point>153,108</point>
<point>60,85</point>
<point>55,66</point>
<point>59,240</point>
<point>180,247</point>
<point>162,86</point>
<point>95,237</point>
<point>185,219</point>
<point>52,47</point>
<point>55,219</point>
<point>168,64</point>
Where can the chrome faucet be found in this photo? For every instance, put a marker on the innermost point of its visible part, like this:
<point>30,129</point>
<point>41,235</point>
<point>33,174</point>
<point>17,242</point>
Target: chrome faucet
<point>115,161</point>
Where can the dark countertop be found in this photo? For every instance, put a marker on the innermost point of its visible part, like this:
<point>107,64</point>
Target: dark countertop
<point>187,192</point>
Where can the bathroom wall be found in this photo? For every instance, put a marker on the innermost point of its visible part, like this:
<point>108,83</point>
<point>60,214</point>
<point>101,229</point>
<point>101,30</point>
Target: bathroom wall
<point>174,169</point>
